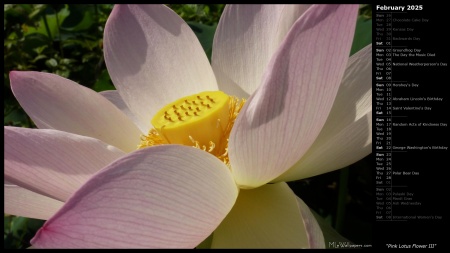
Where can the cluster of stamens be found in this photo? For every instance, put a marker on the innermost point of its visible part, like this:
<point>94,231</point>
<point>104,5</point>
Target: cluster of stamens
<point>177,120</point>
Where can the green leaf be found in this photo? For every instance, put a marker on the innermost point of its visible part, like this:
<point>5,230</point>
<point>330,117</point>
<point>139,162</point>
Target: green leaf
<point>205,35</point>
<point>103,82</point>
<point>51,63</point>
<point>63,72</point>
<point>6,223</point>
<point>363,34</point>
<point>37,10</point>
<point>34,224</point>
<point>53,26</point>
<point>15,118</point>
<point>81,18</point>
<point>35,43</point>
<point>19,226</point>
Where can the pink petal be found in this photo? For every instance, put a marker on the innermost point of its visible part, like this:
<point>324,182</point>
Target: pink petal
<point>22,202</point>
<point>166,196</point>
<point>154,58</point>
<point>347,134</point>
<point>51,162</point>
<point>246,38</point>
<point>283,117</point>
<point>114,97</point>
<point>57,103</point>
<point>268,217</point>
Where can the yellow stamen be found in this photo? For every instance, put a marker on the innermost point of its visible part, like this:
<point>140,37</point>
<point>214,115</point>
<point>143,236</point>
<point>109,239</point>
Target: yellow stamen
<point>207,129</point>
<point>152,139</point>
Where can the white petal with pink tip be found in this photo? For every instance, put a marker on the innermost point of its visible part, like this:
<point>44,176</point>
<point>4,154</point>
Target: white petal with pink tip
<point>54,102</point>
<point>22,202</point>
<point>246,38</point>
<point>51,162</point>
<point>114,97</point>
<point>347,134</point>
<point>167,196</point>
<point>283,117</point>
<point>154,58</point>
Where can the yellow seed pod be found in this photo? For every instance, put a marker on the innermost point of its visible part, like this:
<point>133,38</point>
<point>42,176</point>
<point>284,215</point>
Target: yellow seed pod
<point>202,117</point>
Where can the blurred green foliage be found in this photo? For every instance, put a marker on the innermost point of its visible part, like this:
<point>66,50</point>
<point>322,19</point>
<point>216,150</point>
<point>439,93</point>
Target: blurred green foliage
<point>67,40</point>
<point>62,39</point>
<point>19,231</point>
<point>207,14</point>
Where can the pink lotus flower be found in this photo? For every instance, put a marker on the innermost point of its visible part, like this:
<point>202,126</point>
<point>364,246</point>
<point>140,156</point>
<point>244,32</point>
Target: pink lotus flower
<point>308,112</point>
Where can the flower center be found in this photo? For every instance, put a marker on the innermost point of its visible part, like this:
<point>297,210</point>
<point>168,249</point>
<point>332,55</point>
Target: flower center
<point>203,120</point>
